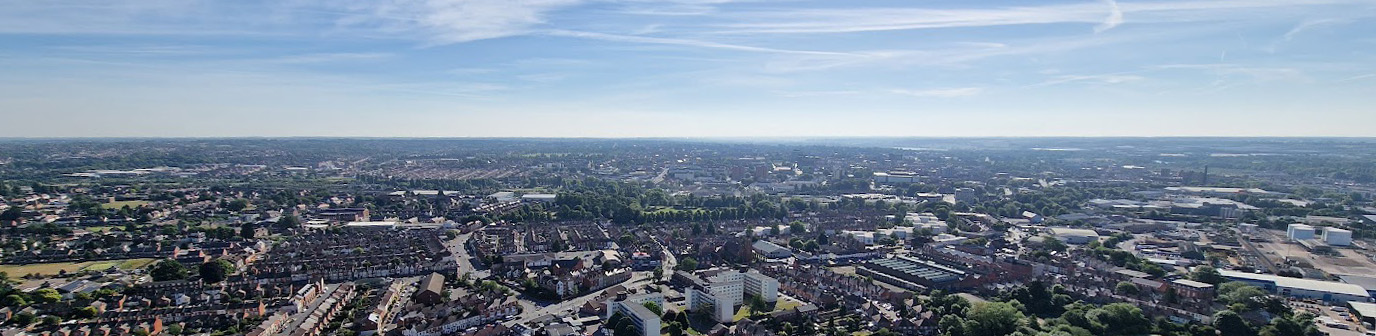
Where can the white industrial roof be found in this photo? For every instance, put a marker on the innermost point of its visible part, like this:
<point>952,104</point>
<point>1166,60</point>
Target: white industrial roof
<point>1314,285</point>
<point>1073,232</point>
<point>1364,309</point>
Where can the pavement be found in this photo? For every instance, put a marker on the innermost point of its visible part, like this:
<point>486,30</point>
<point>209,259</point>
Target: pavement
<point>531,310</point>
<point>460,252</point>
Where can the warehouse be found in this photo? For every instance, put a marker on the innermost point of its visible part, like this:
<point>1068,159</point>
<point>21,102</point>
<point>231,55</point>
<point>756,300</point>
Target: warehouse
<point>1327,291</point>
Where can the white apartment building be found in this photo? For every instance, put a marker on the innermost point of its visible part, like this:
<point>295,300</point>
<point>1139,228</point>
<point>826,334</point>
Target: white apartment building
<point>633,308</point>
<point>725,290</point>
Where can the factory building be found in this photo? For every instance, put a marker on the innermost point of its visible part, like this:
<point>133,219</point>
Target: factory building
<point>1327,291</point>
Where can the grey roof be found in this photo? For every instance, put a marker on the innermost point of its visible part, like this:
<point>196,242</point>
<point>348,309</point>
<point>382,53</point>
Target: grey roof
<point>769,247</point>
<point>1191,283</point>
<point>1365,281</point>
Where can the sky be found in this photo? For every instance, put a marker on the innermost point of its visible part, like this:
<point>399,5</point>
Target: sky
<point>686,68</point>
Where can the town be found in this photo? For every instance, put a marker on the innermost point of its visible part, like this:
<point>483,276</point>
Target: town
<point>488,237</point>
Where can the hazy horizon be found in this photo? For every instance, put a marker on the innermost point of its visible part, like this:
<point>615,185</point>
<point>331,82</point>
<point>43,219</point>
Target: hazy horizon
<point>687,69</point>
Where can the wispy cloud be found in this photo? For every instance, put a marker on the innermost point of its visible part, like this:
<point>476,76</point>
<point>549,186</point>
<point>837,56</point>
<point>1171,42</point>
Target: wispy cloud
<point>851,20</point>
<point>1358,77</point>
<point>1307,25</point>
<point>330,57</point>
<point>458,21</point>
<point>940,93</point>
<point>684,42</point>
<point>140,49</point>
<point>1097,79</point>
<point>1115,17</point>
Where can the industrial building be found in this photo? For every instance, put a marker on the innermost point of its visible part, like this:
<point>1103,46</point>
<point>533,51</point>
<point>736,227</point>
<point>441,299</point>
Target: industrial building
<point>1297,232</point>
<point>1074,236</point>
<point>896,177</point>
<point>1337,237</point>
<point>1327,291</point>
<point>771,250</point>
<point>907,272</point>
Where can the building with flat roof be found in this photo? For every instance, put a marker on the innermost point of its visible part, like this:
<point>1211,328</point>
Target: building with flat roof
<point>1327,291</point>
<point>723,290</point>
<point>771,250</point>
<point>633,308</point>
<point>896,177</point>
<point>1337,237</point>
<point>541,198</point>
<point>1074,236</point>
<point>1193,289</point>
<point>1297,232</point>
<point>906,271</point>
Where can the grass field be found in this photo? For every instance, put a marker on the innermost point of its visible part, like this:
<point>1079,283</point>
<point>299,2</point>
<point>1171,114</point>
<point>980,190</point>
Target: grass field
<point>121,204</point>
<point>782,304</point>
<point>54,268</point>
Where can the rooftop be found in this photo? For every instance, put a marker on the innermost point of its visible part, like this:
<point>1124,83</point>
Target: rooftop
<point>1364,309</point>
<point>1314,285</point>
<point>1191,283</point>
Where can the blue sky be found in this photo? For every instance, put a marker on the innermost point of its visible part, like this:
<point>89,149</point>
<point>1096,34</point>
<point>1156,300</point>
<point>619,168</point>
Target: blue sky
<point>614,68</point>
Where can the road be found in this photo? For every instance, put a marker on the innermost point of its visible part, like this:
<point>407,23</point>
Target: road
<point>530,310</point>
<point>460,252</point>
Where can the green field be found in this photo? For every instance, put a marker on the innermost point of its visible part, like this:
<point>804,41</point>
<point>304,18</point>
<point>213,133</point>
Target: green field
<point>55,268</point>
<point>121,204</point>
<point>782,304</point>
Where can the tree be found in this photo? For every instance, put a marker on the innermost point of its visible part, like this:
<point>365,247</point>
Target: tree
<point>1207,274</point>
<point>247,230</point>
<point>1229,323</point>
<point>85,312</point>
<point>687,264</point>
<point>168,269</point>
<point>23,319</point>
<point>15,300</point>
<point>993,319</point>
<point>1126,288</point>
<point>13,213</point>
<point>654,307</point>
<point>674,329</point>
<point>46,295</point>
<point>1297,325</point>
<point>797,228</point>
<point>216,270</point>
<point>758,304</point>
<point>51,320</point>
<point>659,273</point>
<point>1241,293</point>
<point>237,205</point>
<point>288,222</point>
<point>1053,244</point>
<point>1118,319</point>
